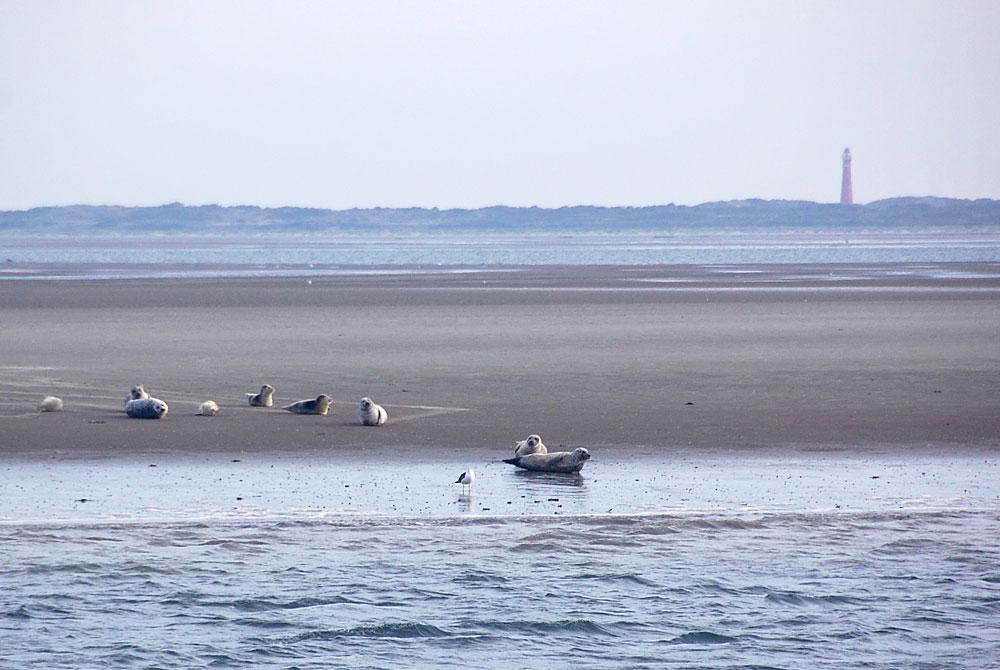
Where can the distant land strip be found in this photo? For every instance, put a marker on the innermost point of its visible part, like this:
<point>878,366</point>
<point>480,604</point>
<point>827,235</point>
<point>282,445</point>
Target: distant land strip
<point>176,218</point>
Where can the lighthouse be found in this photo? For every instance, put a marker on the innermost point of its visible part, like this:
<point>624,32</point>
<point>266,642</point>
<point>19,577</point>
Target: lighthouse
<point>846,187</point>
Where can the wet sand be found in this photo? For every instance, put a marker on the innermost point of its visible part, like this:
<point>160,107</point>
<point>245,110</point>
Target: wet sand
<point>610,358</point>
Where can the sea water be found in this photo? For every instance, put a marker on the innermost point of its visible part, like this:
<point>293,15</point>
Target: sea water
<point>270,255</point>
<point>876,558</point>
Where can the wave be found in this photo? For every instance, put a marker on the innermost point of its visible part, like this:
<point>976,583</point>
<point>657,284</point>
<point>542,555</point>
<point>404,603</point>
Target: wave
<point>702,637</point>
<point>565,626</point>
<point>622,528</point>
<point>387,630</point>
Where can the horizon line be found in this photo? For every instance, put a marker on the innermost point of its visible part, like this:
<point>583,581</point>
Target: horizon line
<point>497,206</point>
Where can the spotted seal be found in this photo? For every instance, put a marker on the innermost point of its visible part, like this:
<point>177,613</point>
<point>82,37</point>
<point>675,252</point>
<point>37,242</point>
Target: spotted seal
<point>146,408</point>
<point>208,408</point>
<point>262,399</point>
<point>321,405</point>
<point>532,445</point>
<point>371,414</point>
<point>50,403</point>
<point>137,393</point>
<point>559,461</point>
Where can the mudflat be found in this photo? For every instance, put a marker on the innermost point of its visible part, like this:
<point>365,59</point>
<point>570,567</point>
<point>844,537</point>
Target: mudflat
<point>609,357</point>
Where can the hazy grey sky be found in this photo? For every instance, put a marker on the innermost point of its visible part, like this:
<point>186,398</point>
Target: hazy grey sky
<point>465,104</point>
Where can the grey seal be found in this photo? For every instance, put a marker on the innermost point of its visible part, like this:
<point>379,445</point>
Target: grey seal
<point>371,414</point>
<point>146,408</point>
<point>559,461</point>
<point>262,399</point>
<point>321,405</point>
<point>532,445</point>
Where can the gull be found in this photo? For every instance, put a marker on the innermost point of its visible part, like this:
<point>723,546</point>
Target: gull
<point>466,479</point>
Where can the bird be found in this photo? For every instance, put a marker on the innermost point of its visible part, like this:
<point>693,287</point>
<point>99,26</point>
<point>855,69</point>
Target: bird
<point>466,479</point>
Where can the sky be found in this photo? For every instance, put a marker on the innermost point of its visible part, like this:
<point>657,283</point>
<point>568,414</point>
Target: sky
<point>469,104</point>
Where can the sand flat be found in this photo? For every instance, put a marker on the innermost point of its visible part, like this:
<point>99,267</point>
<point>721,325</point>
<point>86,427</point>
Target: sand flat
<point>610,357</point>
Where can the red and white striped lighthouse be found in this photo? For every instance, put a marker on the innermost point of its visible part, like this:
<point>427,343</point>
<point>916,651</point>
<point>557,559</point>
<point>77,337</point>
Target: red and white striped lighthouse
<point>846,187</point>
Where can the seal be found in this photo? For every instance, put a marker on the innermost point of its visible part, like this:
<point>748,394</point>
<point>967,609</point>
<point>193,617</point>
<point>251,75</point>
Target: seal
<point>321,405</point>
<point>532,445</point>
<point>262,399</point>
<point>559,461</point>
<point>371,414</point>
<point>208,408</point>
<point>146,408</point>
<point>137,393</point>
<point>50,403</point>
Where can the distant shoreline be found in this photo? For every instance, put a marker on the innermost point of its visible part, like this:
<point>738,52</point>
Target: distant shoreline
<point>175,218</point>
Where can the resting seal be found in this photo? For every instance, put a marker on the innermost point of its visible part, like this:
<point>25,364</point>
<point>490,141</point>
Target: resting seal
<point>321,405</point>
<point>208,408</point>
<point>137,393</point>
<point>50,403</point>
<point>532,445</point>
<point>560,461</point>
<point>262,399</point>
<point>371,414</point>
<point>146,408</point>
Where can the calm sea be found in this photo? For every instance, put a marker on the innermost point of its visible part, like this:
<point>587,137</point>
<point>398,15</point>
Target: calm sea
<point>822,559</point>
<point>264,256</point>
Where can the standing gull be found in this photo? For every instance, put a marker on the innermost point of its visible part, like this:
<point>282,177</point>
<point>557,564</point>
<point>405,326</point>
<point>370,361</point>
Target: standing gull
<point>466,479</point>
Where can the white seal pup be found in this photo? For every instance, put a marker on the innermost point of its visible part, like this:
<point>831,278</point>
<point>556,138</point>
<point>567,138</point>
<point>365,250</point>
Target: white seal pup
<point>321,405</point>
<point>532,445</point>
<point>50,403</point>
<point>137,393</point>
<point>466,479</point>
<point>262,399</point>
<point>559,461</point>
<point>208,408</point>
<point>371,414</point>
<point>146,408</point>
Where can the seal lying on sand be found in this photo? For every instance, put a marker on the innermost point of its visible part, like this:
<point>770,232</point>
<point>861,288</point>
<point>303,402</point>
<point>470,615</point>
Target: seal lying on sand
<point>262,399</point>
<point>321,405</point>
<point>532,445</point>
<point>146,408</point>
<point>371,414</point>
<point>208,408</point>
<point>560,461</point>
<point>137,393</point>
<point>50,403</point>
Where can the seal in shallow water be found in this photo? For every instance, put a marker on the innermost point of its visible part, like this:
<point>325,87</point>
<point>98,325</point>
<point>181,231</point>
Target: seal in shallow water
<point>559,461</point>
<point>146,408</point>
<point>321,405</point>
<point>262,399</point>
<point>371,414</point>
<point>532,445</point>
